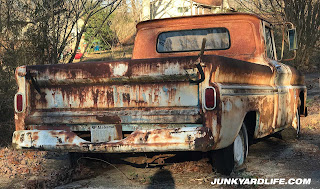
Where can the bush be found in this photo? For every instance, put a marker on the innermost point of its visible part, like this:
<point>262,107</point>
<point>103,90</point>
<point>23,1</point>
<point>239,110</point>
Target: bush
<point>9,60</point>
<point>7,91</point>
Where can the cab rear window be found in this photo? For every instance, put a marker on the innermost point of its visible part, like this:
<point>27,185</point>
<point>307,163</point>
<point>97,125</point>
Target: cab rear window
<point>191,40</point>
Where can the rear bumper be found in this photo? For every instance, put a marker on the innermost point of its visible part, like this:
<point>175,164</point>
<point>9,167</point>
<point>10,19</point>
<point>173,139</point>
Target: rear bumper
<point>157,140</point>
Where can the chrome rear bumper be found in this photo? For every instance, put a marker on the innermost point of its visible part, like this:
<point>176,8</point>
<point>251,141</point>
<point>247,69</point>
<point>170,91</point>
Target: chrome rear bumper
<point>157,140</point>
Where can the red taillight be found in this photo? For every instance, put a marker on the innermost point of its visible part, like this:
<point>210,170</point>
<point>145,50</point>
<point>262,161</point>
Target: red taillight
<point>19,103</point>
<point>210,98</point>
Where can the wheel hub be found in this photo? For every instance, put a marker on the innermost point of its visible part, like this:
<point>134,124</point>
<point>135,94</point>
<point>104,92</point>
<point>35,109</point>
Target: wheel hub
<point>238,150</point>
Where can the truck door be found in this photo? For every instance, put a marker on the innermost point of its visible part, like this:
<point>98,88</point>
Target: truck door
<point>281,95</point>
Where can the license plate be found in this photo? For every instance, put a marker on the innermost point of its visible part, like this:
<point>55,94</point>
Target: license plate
<point>102,133</point>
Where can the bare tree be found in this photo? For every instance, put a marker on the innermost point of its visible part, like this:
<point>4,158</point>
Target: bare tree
<point>93,8</point>
<point>52,24</point>
<point>10,49</point>
<point>304,14</point>
<point>125,18</point>
<point>97,30</point>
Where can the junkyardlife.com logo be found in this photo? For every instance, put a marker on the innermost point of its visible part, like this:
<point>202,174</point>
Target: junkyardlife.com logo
<point>261,181</point>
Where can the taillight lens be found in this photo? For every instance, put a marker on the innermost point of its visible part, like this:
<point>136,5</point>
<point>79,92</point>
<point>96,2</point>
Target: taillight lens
<point>210,98</point>
<point>19,102</point>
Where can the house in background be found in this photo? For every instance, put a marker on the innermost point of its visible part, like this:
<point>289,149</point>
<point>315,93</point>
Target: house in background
<point>156,9</point>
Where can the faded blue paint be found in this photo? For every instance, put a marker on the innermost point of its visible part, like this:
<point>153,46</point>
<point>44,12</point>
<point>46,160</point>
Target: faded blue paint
<point>137,94</point>
<point>129,119</point>
<point>121,99</point>
<point>165,89</point>
<point>144,97</point>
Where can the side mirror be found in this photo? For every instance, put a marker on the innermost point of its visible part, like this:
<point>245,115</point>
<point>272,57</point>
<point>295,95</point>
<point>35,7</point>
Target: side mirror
<point>292,38</point>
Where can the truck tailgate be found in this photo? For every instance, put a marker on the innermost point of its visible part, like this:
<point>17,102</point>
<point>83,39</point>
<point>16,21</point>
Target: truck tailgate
<point>128,94</point>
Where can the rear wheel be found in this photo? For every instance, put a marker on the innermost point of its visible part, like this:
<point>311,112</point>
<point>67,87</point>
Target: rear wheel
<point>226,159</point>
<point>240,147</point>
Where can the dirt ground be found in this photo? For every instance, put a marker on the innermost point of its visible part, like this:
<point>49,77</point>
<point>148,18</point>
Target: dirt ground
<point>270,157</point>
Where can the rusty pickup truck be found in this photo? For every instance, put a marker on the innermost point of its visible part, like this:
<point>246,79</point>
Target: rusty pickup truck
<point>209,83</point>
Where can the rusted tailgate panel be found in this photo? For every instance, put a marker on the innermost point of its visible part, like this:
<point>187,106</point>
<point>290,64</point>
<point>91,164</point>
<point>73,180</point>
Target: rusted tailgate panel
<point>119,92</point>
<point>157,140</point>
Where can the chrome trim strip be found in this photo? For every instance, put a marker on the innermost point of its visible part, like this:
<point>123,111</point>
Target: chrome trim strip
<point>260,87</point>
<point>269,90</point>
<point>248,87</point>
<point>252,94</point>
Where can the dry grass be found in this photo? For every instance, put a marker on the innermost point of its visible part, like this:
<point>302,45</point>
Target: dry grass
<point>202,166</point>
<point>311,123</point>
<point>120,52</point>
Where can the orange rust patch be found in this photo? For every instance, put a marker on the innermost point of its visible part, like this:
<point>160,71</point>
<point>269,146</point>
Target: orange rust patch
<point>109,119</point>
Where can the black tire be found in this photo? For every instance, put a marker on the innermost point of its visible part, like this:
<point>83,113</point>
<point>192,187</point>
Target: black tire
<point>224,160</point>
<point>73,158</point>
